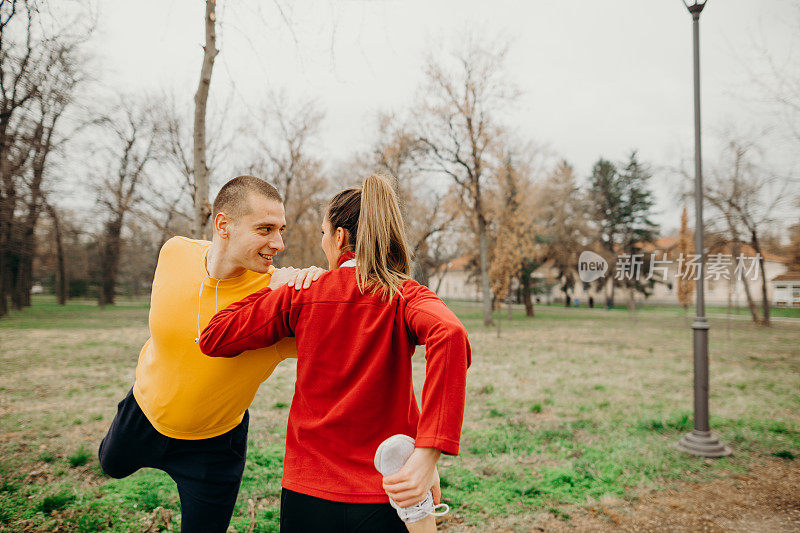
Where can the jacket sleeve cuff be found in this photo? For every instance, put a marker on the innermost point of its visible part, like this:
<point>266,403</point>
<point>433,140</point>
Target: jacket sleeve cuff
<point>443,444</point>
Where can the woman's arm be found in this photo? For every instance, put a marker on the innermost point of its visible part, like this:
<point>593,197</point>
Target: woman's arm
<point>256,321</point>
<point>448,355</point>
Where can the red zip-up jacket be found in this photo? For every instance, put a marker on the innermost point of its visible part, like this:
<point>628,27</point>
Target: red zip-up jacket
<point>354,386</point>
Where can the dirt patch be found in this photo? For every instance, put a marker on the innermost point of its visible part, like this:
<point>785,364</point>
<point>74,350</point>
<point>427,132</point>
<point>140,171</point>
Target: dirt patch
<point>765,499</point>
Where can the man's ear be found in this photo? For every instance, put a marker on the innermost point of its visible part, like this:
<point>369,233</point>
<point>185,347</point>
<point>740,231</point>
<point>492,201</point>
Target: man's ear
<point>222,225</point>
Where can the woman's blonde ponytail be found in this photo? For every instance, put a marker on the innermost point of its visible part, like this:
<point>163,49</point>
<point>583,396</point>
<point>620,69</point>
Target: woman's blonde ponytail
<point>372,215</point>
<point>382,257</point>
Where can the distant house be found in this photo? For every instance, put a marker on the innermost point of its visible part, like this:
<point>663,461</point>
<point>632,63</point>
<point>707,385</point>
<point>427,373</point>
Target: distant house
<point>720,285</point>
<point>786,290</point>
<point>455,281</point>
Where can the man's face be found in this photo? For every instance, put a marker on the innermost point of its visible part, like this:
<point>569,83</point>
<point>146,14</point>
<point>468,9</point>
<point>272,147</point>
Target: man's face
<point>256,237</point>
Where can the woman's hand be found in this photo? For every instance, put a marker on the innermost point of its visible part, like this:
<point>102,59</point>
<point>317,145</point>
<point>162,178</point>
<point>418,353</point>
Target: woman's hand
<point>305,277</point>
<point>436,489</point>
<point>294,277</point>
<point>410,484</point>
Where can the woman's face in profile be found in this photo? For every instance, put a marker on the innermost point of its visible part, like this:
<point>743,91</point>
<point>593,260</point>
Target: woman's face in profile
<point>329,244</point>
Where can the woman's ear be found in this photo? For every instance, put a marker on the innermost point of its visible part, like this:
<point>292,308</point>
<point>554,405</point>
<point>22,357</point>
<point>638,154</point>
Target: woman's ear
<point>341,238</point>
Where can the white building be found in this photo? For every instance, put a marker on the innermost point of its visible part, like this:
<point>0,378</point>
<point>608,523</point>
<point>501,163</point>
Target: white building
<point>722,284</point>
<point>456,281</point>
<point>786,290</point>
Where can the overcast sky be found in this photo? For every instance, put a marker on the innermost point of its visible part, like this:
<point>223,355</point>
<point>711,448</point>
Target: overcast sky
<point>599,77</point>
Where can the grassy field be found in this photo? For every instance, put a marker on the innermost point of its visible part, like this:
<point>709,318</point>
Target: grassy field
<point>569,408</point>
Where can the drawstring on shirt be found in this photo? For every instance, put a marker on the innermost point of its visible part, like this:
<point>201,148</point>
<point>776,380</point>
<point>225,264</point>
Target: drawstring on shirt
<point>200,298</point>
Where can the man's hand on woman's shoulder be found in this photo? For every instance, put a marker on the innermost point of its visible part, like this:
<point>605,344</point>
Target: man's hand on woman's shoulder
<point>295,277</point>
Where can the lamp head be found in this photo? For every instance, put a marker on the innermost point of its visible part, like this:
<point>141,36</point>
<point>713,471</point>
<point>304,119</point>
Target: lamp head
<point>695,6</point>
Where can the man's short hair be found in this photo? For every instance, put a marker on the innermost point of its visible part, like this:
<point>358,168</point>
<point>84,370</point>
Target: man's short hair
<point>233,197</point>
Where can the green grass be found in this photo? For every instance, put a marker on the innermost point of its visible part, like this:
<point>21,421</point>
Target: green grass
<point>45,313</point>
<point>79,458</point>
<point>566,408</point>
<point>55,502</point>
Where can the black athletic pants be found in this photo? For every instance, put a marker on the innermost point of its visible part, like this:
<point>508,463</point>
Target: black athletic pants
<point>207,471</point>
<point>301,513</point>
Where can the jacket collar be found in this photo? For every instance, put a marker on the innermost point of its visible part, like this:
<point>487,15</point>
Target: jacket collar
<point>345,257</point>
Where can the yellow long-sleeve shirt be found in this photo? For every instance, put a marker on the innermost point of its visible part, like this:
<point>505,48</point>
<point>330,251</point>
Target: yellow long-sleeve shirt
<point>183,393</point>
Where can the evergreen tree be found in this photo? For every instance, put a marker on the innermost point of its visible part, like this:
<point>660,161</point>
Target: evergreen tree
<point>606,199</point>
<point>622,205</point>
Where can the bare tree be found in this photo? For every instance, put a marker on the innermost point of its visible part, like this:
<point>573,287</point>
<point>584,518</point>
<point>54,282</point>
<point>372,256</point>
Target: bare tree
<point>19,75</point>
<point>428,210</point>
<point>517,240</point>
<point>563,212</point>
<point>202,207</point>
<point>748,198</point>
<point>38,74</point>
<point>458,126</point>
<point>133,133</point>
<point>55,96</point>
<point>284,156</point>
<point>793,248</point>
<point>168,204</point>
<point>778,81</point>
<point>61,280</point>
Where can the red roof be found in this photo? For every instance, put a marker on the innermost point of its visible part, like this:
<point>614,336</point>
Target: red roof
<point>668,244</point>
<point>787,276</point>
<point>457,264</point>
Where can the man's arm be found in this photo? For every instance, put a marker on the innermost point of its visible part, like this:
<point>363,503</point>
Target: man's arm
<point>256,321</point>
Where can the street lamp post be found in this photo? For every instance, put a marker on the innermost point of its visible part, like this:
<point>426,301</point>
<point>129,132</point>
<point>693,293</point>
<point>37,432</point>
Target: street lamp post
<point>700,441</point>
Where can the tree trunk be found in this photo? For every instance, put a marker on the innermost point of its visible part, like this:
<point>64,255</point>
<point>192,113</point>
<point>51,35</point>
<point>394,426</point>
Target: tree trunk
<point>736,249</point>
<point>751,304</point>
<point>610,297</point>
<point>7,205</point>
<point>485,286</point>
<point>12,280</point>
<point>61,272</point>
<point>526,295</point>
<point>499,317</point>
<point>3,276</point>
<point>24,281</point>
<point>764,299</point>
<point>26,246</point>
<point>109,262</point>
<point>441,278</point>
<point>633,299</point>
<point>202,208</point>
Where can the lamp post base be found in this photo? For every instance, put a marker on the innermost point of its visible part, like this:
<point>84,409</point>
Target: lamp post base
<point>702,444</point>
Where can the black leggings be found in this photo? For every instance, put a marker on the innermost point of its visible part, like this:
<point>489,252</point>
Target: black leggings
<point>301,513</point>
<point>207,471</point>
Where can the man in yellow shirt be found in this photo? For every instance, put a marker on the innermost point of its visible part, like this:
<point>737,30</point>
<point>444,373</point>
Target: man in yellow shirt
<point>187,413</point>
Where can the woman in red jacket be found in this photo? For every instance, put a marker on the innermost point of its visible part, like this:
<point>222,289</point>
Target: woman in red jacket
<point>356,330</point>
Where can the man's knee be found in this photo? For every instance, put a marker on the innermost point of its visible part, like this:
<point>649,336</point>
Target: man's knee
<point>113,463</point>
